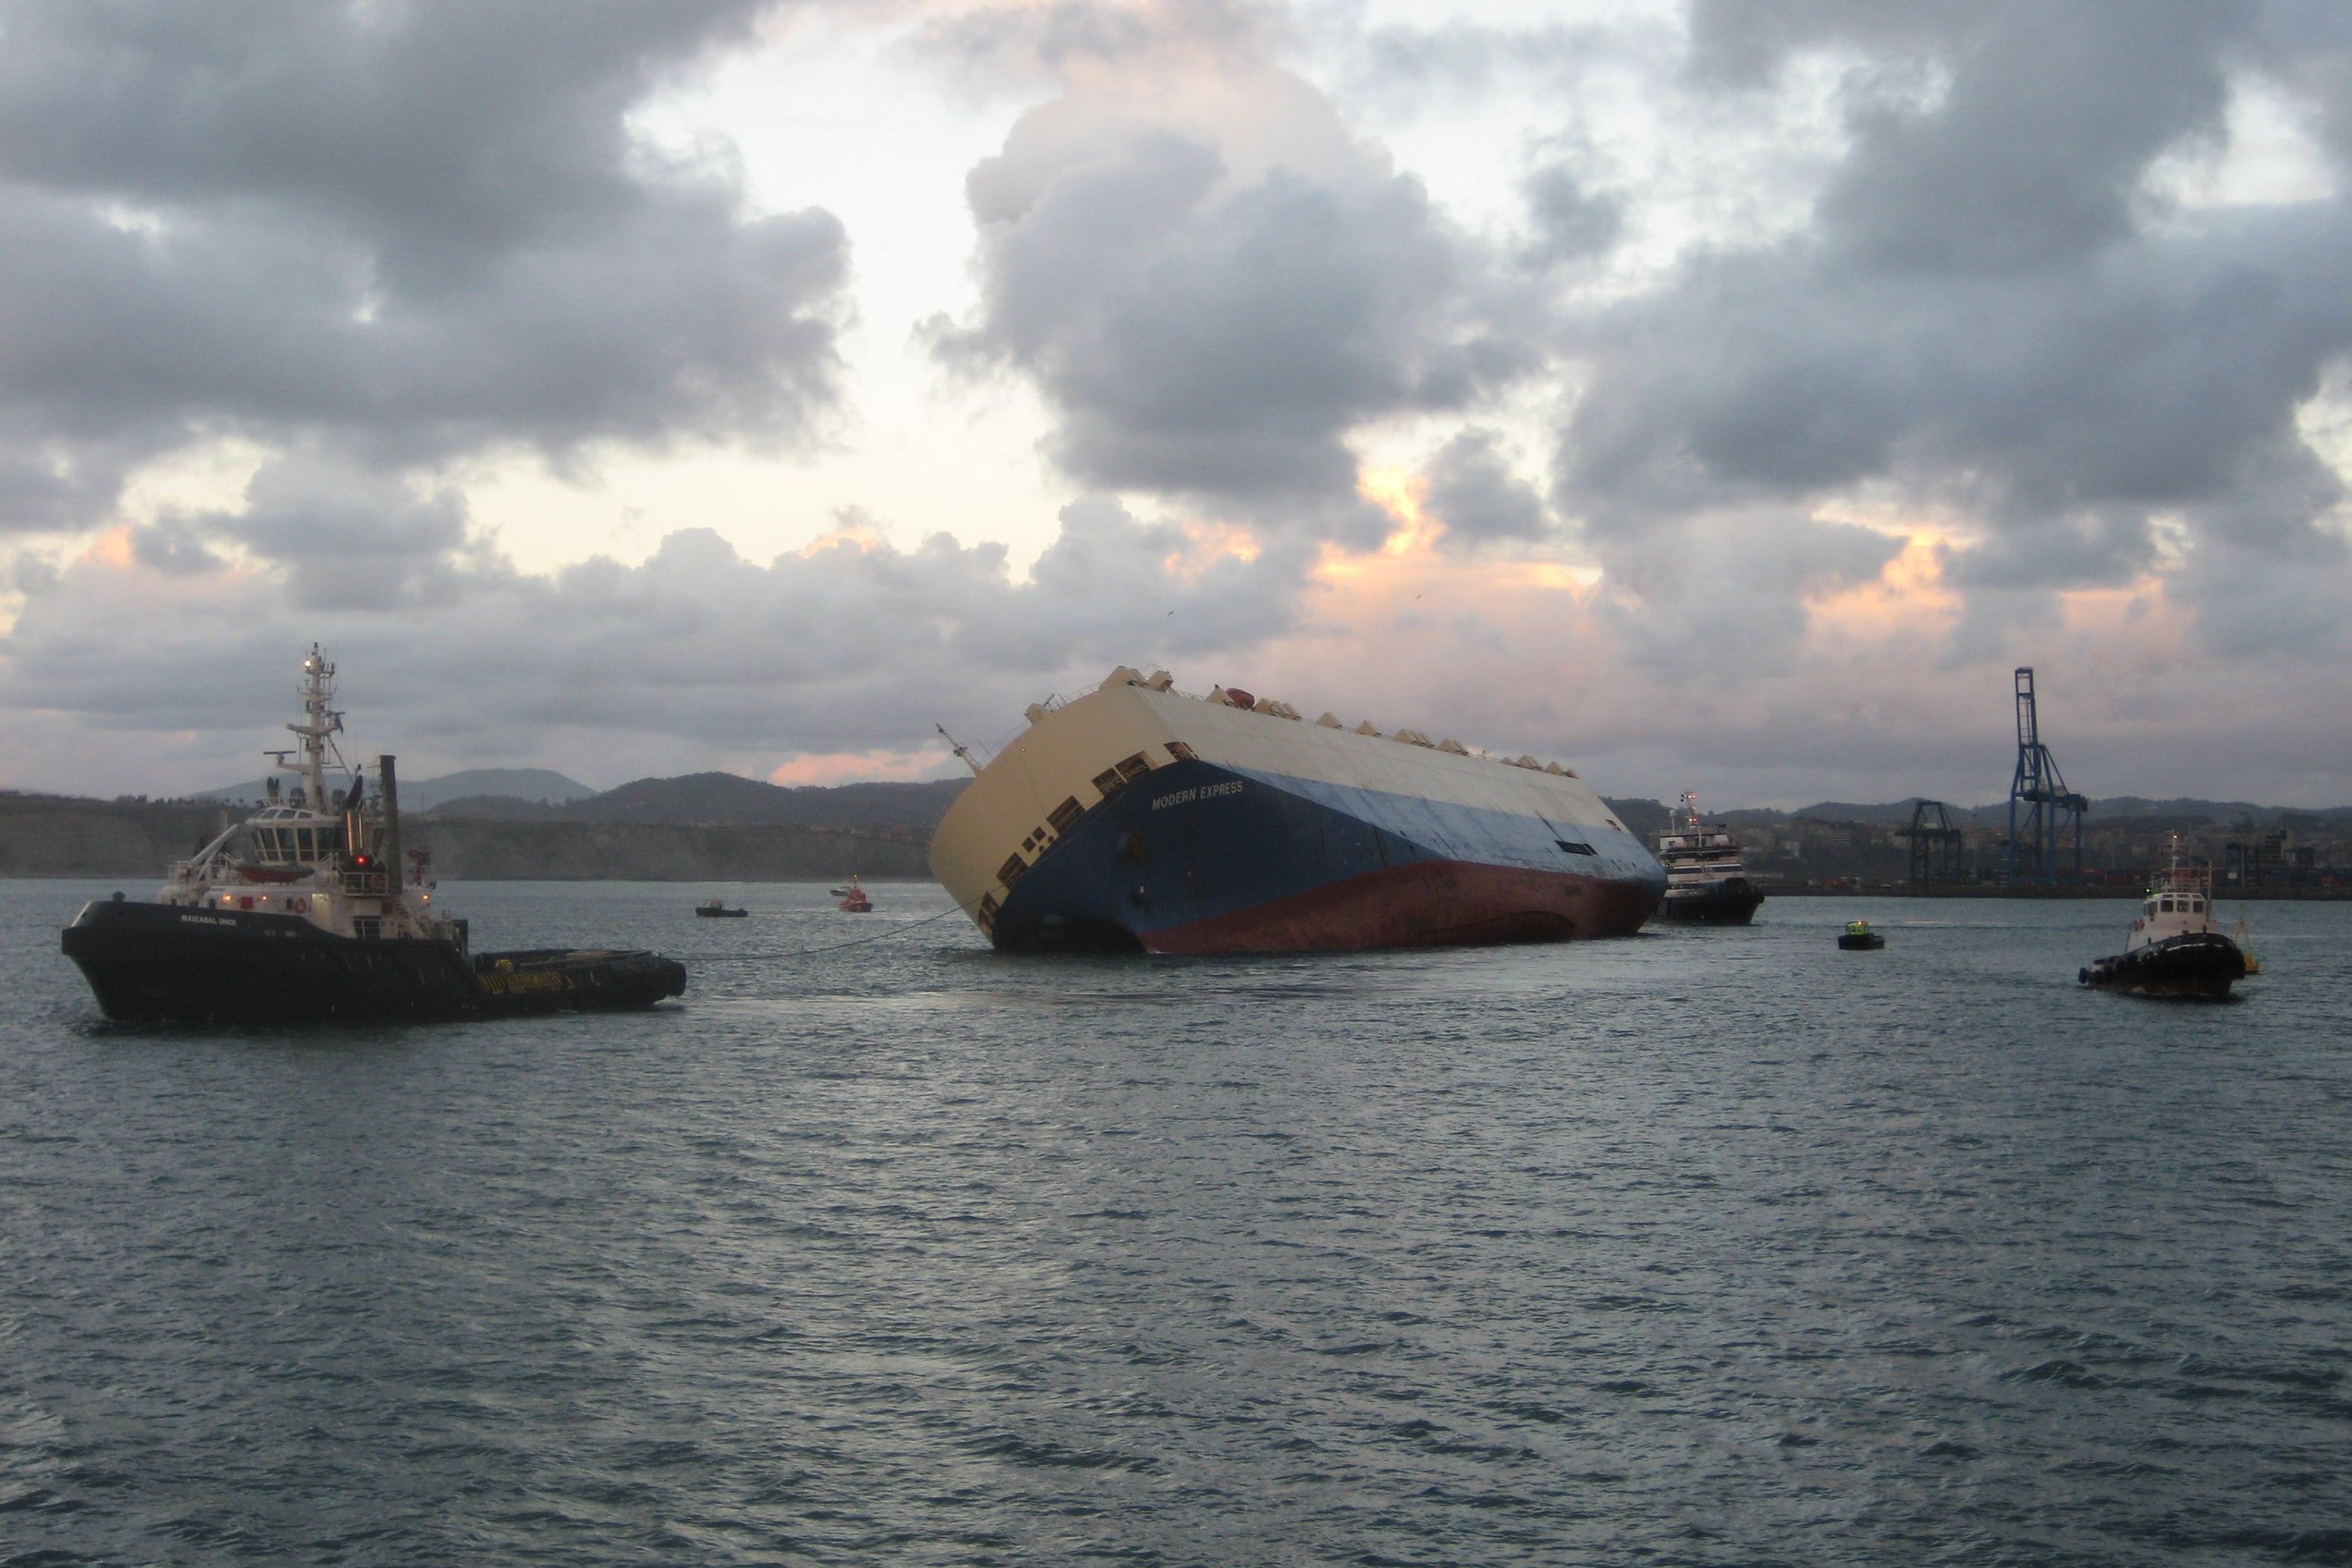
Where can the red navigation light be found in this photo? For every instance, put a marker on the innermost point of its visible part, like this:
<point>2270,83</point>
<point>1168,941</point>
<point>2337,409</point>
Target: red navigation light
<point>359,859</point>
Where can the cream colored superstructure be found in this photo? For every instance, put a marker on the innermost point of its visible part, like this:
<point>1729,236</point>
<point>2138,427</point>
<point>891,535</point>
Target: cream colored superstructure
<point>1070,759</point>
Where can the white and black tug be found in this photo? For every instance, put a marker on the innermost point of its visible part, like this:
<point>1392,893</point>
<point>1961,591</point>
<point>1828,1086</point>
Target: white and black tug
<point>1705,883</point>
<point>2174,948</point>
<point>309,911</point>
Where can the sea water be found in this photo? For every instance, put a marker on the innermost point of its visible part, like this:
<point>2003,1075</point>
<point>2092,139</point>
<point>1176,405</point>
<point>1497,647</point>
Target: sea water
<point>1702,1247</point>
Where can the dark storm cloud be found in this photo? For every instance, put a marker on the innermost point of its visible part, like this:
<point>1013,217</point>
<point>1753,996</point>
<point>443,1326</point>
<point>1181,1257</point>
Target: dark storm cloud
<point>2034,156</point>
<point>1474,492</point>
<point>416,230</point>
<point>46,483</point>
<point>1725,598</point>
<point>2308,45</point>
<point>1992,312</point>
<point>443,131</point>
<point>1204,327</point>
<point>2089,548</point>
<point>173,548</point>
<point>1569,221</point>
<point>345,539</point>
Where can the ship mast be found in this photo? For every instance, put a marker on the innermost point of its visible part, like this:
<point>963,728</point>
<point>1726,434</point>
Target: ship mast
<point>319,721</point>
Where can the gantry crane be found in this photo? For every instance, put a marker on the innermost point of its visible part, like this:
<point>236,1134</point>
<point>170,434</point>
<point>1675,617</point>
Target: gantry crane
<point>2041,790</point>
<point>1935,844</point>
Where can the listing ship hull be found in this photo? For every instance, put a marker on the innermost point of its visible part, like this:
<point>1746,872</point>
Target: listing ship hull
<point>1732,902</point>
<point>163,963</point>
<point>1239,832</point>
<point>2198,965</point>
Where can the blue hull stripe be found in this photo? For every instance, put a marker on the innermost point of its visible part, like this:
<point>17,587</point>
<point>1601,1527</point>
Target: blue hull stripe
<point>1193,842</point>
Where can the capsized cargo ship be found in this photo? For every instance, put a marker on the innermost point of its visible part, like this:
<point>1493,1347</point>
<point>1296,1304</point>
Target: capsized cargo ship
<point>1136,818</point>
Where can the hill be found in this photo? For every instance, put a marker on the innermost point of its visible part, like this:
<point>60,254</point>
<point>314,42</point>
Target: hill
<point>532,786</point>
<point>52,835</point>
<point>728,798</point>
<point>1645,819</point>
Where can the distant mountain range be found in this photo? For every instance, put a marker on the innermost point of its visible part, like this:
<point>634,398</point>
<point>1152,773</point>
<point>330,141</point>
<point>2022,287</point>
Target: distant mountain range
<point>531,785</point>
<point>712,798</point>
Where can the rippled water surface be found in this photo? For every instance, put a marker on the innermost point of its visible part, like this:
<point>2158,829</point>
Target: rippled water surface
<point>1704,1248</point>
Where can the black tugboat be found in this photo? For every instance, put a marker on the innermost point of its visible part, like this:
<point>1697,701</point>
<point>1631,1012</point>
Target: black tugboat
<point>2174,949</point>
<point>1705,883</point>
<point>309,912</point>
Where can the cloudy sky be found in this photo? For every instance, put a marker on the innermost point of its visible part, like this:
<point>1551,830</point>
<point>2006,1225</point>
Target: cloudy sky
<point>1721,395</point>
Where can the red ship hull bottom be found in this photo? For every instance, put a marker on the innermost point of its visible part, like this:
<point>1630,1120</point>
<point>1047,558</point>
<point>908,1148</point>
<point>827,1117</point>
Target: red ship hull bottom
<point>1428,903</point>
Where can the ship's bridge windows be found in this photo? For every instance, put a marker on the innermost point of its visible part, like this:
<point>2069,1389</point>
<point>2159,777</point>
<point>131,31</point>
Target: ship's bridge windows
<point>2167,906</point>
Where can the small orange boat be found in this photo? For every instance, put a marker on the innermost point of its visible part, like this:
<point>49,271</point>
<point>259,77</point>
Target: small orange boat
<point>853,899</point>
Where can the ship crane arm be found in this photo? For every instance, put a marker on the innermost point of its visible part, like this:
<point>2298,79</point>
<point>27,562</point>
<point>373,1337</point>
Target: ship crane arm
<point>958,747</point>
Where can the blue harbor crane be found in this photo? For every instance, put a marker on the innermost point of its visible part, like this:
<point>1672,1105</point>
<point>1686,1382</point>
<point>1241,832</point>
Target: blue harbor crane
<point>2041,790</point>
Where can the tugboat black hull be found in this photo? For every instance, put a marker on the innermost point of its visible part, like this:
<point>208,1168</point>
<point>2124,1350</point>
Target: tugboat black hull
<point>2201,964</point>
<point>167,965</point>
<point>1731,902</point>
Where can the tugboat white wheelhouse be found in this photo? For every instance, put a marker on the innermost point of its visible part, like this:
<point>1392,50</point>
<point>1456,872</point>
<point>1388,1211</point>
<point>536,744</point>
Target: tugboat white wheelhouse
<point>1134,817</point>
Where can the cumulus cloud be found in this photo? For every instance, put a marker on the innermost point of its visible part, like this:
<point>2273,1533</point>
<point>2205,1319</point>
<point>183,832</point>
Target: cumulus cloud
<point>1992,317</point>
<point>1214,283</point>
<point>345,539</point>
<point>696,654</point>
<point>1570,222</point>
<point>1474,493</point>
<point>1727,597</point>
<point>415,230</point>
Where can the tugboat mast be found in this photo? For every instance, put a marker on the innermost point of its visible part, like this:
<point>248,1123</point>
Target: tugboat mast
<point>319,721</point>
